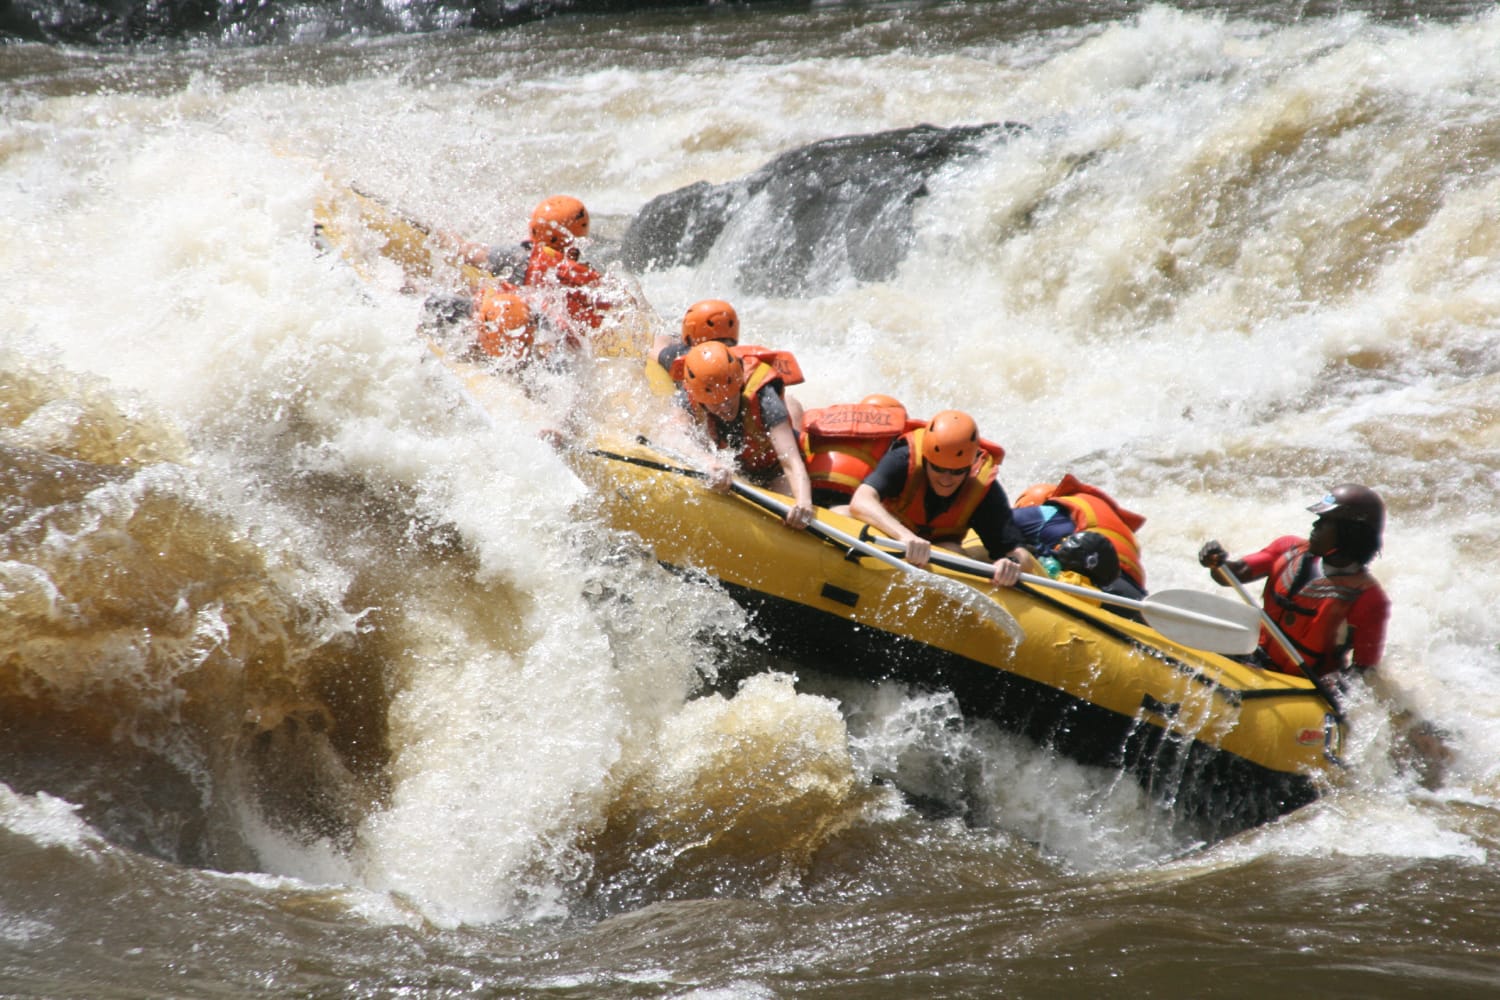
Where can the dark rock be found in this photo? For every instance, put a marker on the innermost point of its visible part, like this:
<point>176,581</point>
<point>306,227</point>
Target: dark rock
<point>254,22</point>
<point>813,216</point>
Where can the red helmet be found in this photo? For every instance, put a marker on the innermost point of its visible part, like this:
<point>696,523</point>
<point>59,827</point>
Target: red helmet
<point>710,319</point>
<point>558,221</point>
<point>951,440</point>
<point>1352,502</point>
<point>711,375</point>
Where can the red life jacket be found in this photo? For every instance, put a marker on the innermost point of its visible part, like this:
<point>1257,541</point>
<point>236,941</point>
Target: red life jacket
<point>952,524</point>
<point>757,452</point>
<point>751,355</point>
<point>842,444</point>
<point>582,307</point>
<point>1314,618</point>
<point>1094,510</point>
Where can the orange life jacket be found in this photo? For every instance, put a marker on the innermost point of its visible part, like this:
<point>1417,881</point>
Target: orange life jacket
<point>757,452</point>
<point>952,524</point>
<point>582,307</point>
<point>1092,509</point>
<point>842,444</point>
<point>1314,619</point>
<point>751,355</point>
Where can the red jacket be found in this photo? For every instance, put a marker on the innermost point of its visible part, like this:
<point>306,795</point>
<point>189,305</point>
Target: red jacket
<point>582,307</point>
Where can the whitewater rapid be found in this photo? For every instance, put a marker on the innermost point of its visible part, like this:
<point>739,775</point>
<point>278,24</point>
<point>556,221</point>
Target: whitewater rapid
<point>1227,266</point>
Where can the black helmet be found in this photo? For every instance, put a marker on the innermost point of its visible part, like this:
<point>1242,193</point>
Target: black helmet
<point>1353,502</point>
<point>1092,555</point>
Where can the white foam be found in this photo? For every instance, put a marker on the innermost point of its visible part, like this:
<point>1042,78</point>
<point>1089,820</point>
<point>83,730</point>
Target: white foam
<point>1151,288</point>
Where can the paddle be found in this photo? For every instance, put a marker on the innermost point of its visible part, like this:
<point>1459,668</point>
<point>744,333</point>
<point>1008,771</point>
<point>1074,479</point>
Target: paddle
<point>955,589</point>
<point>1282,641</point>
<point>1189,617</point>
<point>1286,643</point>
<point>1423,739</point>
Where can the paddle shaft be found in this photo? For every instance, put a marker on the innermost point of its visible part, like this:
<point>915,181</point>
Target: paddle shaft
<point>973,597</point>
<point>406,217</point>
<point>1281,640</point>
<point>985,569</point>
<point>826,530</point>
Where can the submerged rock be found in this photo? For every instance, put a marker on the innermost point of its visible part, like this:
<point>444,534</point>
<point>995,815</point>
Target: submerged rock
<point>810,217</point>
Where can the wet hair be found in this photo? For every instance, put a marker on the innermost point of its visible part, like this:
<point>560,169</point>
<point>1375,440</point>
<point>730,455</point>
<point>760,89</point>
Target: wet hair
<point>1356,541</point>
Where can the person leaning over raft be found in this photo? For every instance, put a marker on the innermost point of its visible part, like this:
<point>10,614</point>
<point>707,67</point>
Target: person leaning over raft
<point>744,413</point>
<point>716,321</point>
<point>1048,513</point>
<point>557,223</point>
<point>504,330</point>
<point>551,260</point>
<point>933,485</point>
<point>1091,559</point>
<point>1319,592</point>
<point>707,320</point>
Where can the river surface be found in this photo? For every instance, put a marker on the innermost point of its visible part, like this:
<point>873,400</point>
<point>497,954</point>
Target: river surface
<point>318,682</point>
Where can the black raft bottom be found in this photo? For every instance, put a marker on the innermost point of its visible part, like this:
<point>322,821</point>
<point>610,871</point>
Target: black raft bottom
<point>1217,793</point>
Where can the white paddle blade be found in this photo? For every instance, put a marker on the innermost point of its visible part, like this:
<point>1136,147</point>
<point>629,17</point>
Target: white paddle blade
<point>1204,621</point>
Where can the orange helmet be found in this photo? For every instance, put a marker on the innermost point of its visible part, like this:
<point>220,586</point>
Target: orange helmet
<point>558,221</point>
<point>711,375</point>
<point>880,399</point>
<point>711,319</point>
<point>951,440</point>
<point>1035,496</point>
<point>504,322</point>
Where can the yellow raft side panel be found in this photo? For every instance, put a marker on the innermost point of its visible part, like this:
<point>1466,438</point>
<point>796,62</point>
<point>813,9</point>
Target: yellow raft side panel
<point>362,228</point>
<point>1070,644</point>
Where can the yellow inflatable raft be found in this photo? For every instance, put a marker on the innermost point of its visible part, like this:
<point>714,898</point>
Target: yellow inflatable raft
<point>1226,743</point>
